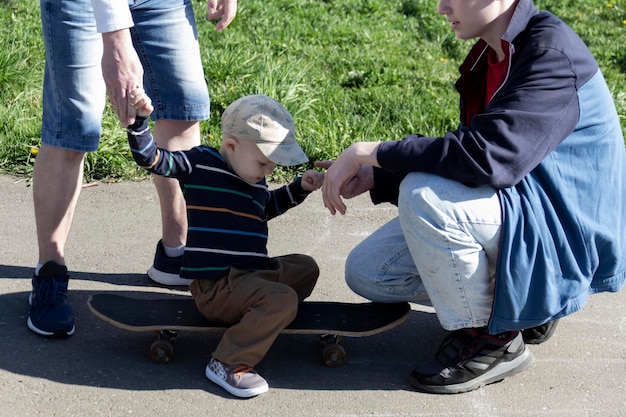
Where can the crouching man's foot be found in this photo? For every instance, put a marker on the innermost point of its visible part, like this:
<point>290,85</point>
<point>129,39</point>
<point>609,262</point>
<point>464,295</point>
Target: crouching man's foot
<point>470,358</point>
<point>539,334</point>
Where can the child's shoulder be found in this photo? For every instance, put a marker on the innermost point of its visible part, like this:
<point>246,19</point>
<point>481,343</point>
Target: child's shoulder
<point>206,155</point>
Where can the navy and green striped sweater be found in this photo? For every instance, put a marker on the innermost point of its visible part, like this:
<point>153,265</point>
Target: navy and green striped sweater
<point>227,216</point>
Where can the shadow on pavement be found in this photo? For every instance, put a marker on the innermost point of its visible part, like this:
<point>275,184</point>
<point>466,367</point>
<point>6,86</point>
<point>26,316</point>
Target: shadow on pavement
<point>101,355</point>
<point>138,280</point>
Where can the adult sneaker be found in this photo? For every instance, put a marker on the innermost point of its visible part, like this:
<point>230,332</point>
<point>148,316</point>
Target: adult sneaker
<point>240,380</point>
<point>50,314</point>
<point>470,358</point>
<point>539,334</point>
<point>165,270</point>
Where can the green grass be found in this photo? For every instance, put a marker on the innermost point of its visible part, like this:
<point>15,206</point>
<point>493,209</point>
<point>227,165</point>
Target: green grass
<point>348,70</point>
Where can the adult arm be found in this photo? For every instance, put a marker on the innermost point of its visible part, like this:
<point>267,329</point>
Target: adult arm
<point>121,68</point>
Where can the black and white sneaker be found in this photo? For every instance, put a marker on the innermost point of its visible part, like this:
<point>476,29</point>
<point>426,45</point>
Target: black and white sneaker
<point>539,334</point>
<point>165,270</point>
<point>240,380</point>
<point>471,358</point>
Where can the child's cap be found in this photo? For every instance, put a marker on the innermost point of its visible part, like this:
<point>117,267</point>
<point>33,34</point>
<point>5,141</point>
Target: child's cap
<point>267,123</point>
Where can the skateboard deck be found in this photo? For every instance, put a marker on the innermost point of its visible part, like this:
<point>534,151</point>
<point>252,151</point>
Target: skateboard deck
<point>166,315</point>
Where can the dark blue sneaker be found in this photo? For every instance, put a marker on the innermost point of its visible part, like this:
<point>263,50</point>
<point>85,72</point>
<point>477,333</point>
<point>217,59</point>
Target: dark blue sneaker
<point>470,358</point>
<point>165,270</point>
<point>50,314</point>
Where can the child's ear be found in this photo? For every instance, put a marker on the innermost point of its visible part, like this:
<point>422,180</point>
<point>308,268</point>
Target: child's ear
<point>230,144</point>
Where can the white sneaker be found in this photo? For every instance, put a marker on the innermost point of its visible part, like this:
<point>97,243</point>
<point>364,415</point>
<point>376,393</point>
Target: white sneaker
<point>240,380</point>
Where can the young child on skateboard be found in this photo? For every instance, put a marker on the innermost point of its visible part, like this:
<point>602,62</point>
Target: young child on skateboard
<point>228,205</point>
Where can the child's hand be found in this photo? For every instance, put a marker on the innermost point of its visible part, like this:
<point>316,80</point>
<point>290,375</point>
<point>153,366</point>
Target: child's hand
<point>312,180</point>
<point>141,102</point>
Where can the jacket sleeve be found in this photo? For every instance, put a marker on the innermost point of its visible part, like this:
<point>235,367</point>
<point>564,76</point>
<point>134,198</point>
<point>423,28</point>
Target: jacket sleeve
<point>284,198</point>
<point>111,15</point>
<point>152,158</point>
<point>386,186</point>
<point>534,112</point>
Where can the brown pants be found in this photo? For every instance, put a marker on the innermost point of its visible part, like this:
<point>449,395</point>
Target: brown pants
<point>259,305</point>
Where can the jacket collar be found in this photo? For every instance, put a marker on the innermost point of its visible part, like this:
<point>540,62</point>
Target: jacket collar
<point>524,11</point>
<point>471,84</point>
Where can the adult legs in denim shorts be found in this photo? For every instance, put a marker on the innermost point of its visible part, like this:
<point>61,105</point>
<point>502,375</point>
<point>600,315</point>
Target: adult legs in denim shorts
<point>165,38</point>
<point>73,102</point>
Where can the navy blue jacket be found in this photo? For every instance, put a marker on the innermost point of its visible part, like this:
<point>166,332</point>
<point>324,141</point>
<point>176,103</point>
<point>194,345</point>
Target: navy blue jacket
<point>550,141</point>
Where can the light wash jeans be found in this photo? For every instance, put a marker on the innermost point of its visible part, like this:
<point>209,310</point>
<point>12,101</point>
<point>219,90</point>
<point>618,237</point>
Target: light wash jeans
<point>441,250</point>
<point>74,93</point>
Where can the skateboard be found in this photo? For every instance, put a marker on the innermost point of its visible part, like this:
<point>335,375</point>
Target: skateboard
<point>166,315</point>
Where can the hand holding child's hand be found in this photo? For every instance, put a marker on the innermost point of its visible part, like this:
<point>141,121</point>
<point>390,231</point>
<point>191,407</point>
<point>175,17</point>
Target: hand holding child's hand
<point>141,102</point>
<point>312,180</point>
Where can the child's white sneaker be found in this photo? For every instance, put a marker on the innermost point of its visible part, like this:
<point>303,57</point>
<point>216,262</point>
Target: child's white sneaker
<point>239,380</point>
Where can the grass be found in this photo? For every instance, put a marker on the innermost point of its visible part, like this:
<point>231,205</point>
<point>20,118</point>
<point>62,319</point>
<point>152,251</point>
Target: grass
<point>348,70</point>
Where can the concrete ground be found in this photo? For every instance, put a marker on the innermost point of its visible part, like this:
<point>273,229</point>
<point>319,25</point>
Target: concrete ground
<point>105,371</point>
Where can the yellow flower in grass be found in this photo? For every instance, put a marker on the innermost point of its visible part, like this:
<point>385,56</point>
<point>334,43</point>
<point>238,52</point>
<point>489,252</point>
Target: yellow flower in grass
<point>34,151</point>
<point>609,5</point>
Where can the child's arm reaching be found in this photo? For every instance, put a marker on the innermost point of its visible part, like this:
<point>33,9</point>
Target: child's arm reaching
<point>143,148</point>
<point>288,196</point>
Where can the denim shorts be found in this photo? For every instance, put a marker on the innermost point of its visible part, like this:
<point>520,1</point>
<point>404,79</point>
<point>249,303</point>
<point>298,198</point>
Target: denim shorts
<point>74,92</point>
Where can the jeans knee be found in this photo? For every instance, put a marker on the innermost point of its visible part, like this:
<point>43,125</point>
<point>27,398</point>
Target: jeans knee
<point>415,196</point>
<point>353,276</point>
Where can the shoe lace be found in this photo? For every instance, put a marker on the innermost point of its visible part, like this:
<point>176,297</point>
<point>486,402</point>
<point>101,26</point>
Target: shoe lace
<point>239,370</point>
<point>463,345</point>
<point>457,348</point>
<point>50,291</point>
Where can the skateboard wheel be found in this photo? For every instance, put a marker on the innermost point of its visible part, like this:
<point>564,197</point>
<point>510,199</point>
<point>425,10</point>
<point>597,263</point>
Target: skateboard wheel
<point>161,351</point>
<point>334,355</point>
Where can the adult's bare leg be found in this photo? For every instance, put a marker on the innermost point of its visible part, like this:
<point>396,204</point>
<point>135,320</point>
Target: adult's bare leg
<point>172,135</point>
<point>57,180</point>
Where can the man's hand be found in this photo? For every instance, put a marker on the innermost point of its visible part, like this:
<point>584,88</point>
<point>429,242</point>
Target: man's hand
<point>224,10</point>
<point>363,180</point>
<point>122,72</point>
<point>344,175</point>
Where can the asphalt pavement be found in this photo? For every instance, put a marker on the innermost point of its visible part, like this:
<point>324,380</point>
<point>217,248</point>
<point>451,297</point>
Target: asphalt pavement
<point>105,371</point>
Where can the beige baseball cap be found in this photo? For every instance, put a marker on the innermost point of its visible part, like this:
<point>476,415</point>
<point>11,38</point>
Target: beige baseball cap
<point>264,121</point>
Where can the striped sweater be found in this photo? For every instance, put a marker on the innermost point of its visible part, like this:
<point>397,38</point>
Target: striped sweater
<point>227,217</point>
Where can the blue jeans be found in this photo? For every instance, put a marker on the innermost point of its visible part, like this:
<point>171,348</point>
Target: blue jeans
<point>441,250</point>
<point>74,92</point>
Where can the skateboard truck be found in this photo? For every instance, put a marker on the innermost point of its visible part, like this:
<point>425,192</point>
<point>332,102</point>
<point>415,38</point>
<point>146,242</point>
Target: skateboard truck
<point>166,316</point>
<point>162,349</point>
<point>333,354</point>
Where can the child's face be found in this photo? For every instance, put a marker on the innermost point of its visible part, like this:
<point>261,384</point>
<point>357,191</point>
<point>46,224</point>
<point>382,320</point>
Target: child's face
<point>247,160</point>
<point>473,18</point>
